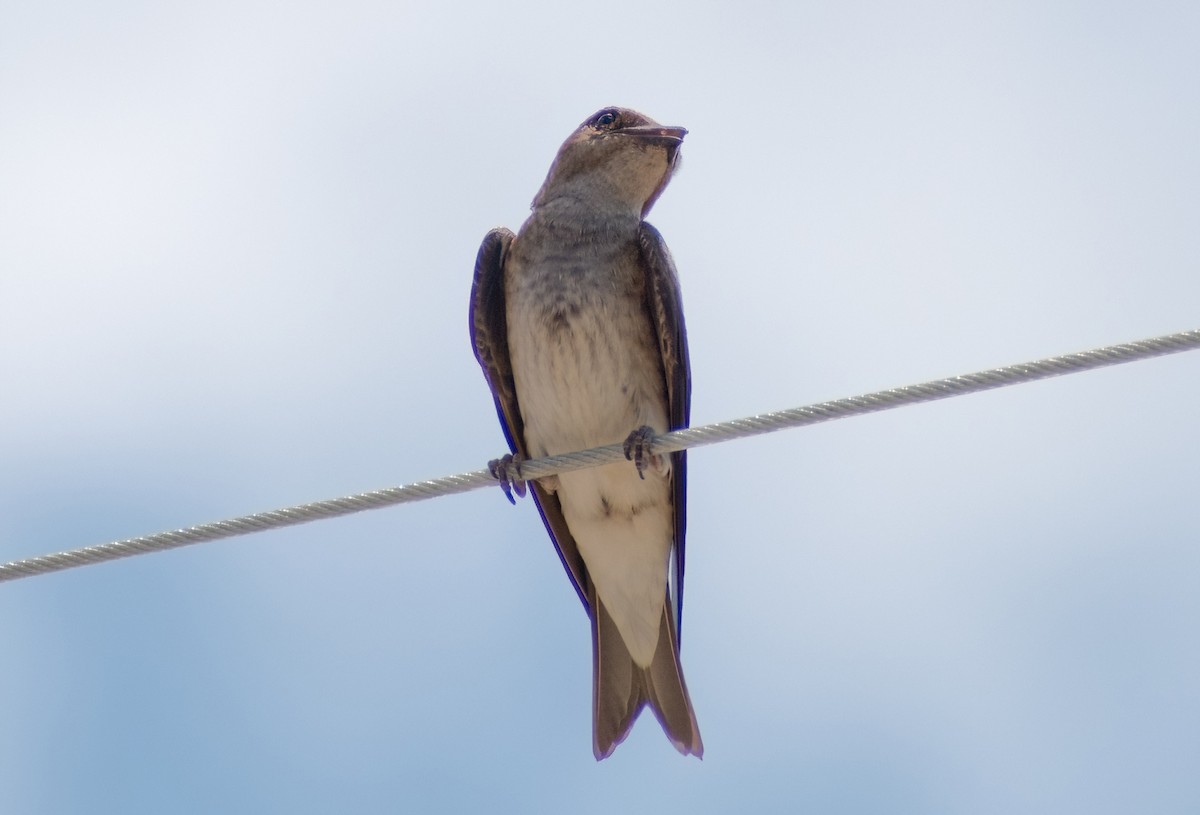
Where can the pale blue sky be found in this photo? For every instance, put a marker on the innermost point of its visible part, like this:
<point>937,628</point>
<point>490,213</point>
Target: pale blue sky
<point>235,252</point>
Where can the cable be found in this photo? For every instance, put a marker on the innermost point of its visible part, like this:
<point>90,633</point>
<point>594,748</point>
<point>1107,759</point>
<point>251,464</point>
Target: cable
<point>678,440</point>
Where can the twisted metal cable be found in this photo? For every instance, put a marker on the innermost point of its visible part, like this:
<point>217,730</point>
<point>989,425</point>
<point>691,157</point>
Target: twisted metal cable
<point>668,442</point>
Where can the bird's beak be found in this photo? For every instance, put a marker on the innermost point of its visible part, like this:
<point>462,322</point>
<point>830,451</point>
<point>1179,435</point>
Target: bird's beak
<point>668,137</point>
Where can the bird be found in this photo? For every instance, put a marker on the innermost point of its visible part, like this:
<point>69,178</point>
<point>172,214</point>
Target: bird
<point>577,323</point>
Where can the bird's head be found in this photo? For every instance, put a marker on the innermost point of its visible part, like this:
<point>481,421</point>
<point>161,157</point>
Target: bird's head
<point>617,161</point>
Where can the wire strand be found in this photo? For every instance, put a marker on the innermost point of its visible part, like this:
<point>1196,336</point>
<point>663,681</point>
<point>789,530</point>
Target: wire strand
<point>668,442</point>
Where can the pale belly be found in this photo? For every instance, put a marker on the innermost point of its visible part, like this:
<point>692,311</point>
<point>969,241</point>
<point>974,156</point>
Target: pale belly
<point>587,374</point>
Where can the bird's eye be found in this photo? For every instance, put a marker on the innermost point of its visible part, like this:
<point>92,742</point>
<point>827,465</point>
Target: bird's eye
<point>606,119</point>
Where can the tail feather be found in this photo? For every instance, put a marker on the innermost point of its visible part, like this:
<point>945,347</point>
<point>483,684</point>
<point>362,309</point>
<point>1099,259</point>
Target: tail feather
<point>621,688</point>
<point>667,692</point>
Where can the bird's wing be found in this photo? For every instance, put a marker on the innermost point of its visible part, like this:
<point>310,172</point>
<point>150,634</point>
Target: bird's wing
<point>489,337</point>
<point>665,309</point>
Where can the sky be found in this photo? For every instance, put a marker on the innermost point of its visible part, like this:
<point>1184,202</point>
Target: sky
<point>236,245</point>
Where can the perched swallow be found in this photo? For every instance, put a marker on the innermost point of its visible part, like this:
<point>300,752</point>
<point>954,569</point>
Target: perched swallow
<point>578,326</point>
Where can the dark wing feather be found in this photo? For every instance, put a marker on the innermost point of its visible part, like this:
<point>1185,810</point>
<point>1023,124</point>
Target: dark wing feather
<point>489,338</point>
<point>489,332</point>
<point>666,312</point>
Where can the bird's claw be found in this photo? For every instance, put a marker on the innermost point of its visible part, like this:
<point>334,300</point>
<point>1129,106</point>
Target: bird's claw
<point>638,449</point>
<point>507,470</point>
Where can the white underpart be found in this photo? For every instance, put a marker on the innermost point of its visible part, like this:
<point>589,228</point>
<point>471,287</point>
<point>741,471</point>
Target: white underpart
<point>625,552</point>
<point>592,385</point>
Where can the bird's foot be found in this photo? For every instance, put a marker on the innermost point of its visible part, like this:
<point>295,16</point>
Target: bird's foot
<point>507,470</point>
<point>639,449</point>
